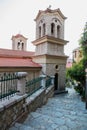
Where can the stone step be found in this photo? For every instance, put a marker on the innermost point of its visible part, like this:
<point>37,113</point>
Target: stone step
<point>50,112</point>
<point>55,109</point>
<point>42,122</point>
<point>19,126</point>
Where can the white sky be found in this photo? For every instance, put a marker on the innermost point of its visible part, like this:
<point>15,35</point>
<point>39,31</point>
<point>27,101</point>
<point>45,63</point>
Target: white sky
<point>18,16</point>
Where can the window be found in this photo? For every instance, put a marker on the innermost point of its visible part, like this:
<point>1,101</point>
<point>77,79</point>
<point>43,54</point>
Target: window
<point>22,46</point>
<point>58,31</point>
<point>56,67</point>
<point>40,31</point>
<point>18,45</point>
<point>52,28</point>
<point>44,29</point>
<point>55,20</point>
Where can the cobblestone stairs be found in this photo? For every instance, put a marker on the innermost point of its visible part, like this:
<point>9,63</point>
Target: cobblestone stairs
<point>62,112</point>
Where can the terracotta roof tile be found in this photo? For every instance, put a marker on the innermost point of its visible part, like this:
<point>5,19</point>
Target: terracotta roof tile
<point>15,53</point>
<point>18,36</point>
<point>18,62</point>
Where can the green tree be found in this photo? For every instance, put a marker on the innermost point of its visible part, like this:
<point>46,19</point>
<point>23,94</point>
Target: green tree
<point>83,44</point>
<point>77,72</point>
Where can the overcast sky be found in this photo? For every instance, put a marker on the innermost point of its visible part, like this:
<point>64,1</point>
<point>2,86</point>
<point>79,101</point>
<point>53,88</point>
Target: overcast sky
<point>17,16</point>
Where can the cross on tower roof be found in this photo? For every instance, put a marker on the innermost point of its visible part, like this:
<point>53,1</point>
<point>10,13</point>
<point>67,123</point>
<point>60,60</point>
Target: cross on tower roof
<point>49,7</point>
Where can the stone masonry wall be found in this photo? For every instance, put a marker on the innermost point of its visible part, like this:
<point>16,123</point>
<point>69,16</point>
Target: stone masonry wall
<point>10,112</point>
<point>19,106</point>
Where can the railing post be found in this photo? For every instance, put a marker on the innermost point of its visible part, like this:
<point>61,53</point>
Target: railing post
<point>52,80</point>
<point>43,81</point>
<point>21,82</point>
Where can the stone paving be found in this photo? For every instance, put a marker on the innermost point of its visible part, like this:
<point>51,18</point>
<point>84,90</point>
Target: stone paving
<point>62,112</point>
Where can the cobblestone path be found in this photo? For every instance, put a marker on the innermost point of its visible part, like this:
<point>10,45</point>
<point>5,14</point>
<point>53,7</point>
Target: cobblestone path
<point>62,112</point>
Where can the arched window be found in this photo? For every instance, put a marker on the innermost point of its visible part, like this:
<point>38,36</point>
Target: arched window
<point>39,31</point>
<point>22,46</point>
<point>58,31</point>
<point>52,28</point>
<point>18,46</point>
<point>44,29</point>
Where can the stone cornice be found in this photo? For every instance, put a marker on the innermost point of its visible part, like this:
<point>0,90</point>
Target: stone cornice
<point>51,56</point>
<point>50,11</point>
<point>49,39</point>
<point>57,56</point>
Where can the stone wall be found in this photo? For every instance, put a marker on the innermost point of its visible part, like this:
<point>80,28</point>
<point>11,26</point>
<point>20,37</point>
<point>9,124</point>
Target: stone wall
<point>16,107</point>
<point>48,94</point>
<point>49,48</point>
<point>10,110</point>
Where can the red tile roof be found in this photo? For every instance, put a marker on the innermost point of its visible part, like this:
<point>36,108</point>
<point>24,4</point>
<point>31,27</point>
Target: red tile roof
<point>15,58</point>
<point>18,62</point>
<point>69,65</point>
<point>19,35</point>
<point>15,53</point>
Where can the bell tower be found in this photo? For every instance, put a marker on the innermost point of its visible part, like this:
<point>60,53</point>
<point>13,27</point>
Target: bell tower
<point>51,23</point>
<point>19,42</point>
<point>50,44</point>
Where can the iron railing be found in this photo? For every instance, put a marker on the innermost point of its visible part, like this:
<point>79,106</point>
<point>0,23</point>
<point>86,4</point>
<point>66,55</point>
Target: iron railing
<point>8,85</point>
<point>33,85</point>
<point>48,82</point>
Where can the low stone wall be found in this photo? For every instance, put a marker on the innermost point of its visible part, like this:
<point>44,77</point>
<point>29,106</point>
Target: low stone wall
<point>35,101</point>
<point>48,94</point>
<point>10,110</point>
<point>13,109</point>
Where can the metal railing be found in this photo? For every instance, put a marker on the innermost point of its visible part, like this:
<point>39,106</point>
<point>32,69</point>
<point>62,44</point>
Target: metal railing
<point>8,85</point>
<point>48,82</point>
<point>33,85</point>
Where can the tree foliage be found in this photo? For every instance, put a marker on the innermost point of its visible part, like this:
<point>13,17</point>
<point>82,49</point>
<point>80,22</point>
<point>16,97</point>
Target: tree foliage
<point>77,72</point>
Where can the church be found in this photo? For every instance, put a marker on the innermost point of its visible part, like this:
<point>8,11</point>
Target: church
<point>48,59</point>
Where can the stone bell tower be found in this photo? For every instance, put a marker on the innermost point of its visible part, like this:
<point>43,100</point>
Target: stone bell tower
<point>19,42</point>
<point>50,45</point>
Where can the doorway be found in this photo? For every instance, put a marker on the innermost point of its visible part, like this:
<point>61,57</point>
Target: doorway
<point>56,81</point>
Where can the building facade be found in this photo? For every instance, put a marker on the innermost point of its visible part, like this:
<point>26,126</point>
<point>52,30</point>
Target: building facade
<point>48,59</point>
<point>69,63</point>
<point>50,45</point>
<point>77,55</point>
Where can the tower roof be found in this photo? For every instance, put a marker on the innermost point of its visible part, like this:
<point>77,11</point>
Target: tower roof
<point>18,36</point>
<point>48,10</point>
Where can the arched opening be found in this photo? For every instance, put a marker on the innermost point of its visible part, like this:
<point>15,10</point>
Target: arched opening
<point>39,31</point>
<point>56,81</point>
<point>18,46</point>
<point>52,29</point>
<point>22,46</point>
<point>58,31</point>
<point>44,29</point>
